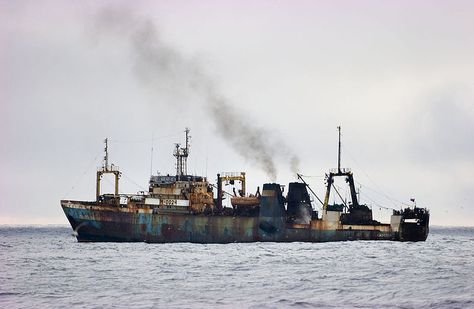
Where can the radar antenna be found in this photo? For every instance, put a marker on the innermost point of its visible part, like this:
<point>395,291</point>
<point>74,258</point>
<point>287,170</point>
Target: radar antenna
<point>181,155</point>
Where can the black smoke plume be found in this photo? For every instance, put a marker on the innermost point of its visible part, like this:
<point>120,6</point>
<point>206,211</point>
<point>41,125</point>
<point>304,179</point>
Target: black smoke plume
<point>158,64</point>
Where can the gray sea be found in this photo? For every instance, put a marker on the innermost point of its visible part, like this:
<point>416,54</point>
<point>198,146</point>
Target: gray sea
<point>45,267</point>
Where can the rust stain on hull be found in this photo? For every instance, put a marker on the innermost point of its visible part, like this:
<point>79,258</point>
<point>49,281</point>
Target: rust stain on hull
<point>182,208</point>
<point>121,225</point>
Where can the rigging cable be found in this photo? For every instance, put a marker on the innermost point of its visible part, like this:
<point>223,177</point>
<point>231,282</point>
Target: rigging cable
<point>301,177</point>
<point>380,206</point>
<point>133,182</point>
<point>79,179</point>
<point>391,199</point>
<point>147,140</point>
<point>381,194</point>
<point>231,195</point>
<point>368,197</point>
<point>345,205</point>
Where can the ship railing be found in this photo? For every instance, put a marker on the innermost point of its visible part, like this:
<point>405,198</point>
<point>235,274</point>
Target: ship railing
<point>111,168</point>
<point>231,174</point>
<point>343,170</point>
<point>114,168</point>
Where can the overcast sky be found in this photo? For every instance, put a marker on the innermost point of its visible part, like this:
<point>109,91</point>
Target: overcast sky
<point>262,85</point>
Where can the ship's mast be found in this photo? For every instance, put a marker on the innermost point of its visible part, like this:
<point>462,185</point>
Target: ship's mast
<point>186,152</point>
<point>106,169</point>
<point>181,155</point>
<point>345,172</point>
<point>178,159</point>
<point>339,151</point>
<point>105,162</point>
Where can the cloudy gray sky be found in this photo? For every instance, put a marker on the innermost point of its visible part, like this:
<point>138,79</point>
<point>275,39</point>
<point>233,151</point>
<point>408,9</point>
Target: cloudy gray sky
<point>262,85</point>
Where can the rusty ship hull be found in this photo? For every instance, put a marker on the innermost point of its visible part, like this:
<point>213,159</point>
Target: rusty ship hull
<point>94,223</point>
<point>184,208</point>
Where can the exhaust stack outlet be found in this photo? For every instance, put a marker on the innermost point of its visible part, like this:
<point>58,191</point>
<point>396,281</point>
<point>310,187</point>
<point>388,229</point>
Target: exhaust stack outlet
<point>299,203</point>
<point>272,214</point>
<point>219,192</point>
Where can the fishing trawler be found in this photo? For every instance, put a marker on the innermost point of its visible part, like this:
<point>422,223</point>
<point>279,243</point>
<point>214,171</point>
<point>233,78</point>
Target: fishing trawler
<point>188,208</point>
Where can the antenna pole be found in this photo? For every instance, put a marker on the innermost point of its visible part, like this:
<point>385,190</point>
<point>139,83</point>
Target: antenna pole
<point>339,151</point>
<point>186,152</point>
<point>178,160</point>
<point>106,158</point>
<point>151,159</point>
<point>187,139</point>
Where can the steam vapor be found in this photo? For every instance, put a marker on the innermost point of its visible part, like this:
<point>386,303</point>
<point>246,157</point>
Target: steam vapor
<point>157,63</point>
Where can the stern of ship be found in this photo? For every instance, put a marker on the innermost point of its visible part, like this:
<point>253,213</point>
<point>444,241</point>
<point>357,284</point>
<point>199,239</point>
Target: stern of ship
<point>414,224</point>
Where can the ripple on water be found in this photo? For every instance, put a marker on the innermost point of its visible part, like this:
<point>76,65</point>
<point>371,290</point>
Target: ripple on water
<point>46,267</point>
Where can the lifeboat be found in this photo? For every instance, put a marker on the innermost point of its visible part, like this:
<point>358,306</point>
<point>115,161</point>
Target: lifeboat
<point>245,201</point>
